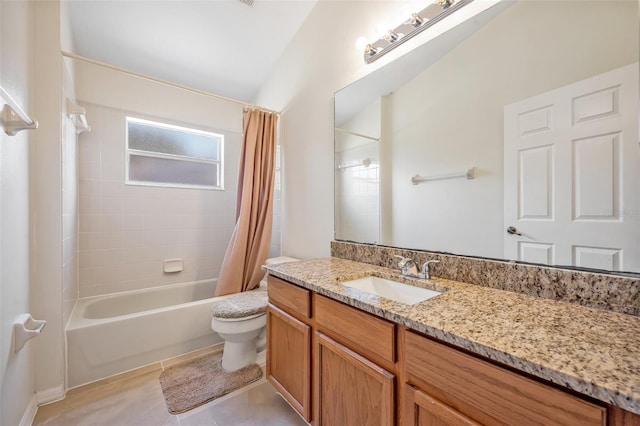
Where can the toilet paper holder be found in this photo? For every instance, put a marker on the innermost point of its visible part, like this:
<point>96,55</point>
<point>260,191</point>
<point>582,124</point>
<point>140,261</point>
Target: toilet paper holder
<point>26,328</point>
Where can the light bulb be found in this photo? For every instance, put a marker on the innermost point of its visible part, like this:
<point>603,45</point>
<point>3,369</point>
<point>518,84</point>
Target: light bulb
<point>415,20</point>
<point>391,36</point>
<point>361,43</point>
<point>381,29</point>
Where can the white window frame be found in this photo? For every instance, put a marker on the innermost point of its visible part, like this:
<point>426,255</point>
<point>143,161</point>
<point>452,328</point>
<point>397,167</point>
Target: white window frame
<point>184,158</point>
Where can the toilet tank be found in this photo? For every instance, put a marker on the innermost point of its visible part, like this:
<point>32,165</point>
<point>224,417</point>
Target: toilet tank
<point>275,261</point>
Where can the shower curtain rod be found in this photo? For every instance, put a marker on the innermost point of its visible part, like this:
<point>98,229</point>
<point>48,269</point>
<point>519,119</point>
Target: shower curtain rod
<point>162,81</point>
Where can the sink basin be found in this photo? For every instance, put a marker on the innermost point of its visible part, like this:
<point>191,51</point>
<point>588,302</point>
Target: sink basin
<point>393,290</point>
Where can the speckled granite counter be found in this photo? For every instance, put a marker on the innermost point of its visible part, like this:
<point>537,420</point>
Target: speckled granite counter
<point>593,352</point>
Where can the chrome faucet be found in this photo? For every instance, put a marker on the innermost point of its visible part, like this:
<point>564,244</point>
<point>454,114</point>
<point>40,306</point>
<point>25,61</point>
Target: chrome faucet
<point>408,266</point>
<point>425,269</point>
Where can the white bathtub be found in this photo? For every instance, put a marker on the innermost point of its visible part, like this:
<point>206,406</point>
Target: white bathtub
<point>111,334</point>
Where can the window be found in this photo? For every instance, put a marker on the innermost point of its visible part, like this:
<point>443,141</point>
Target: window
<point>160,154</point>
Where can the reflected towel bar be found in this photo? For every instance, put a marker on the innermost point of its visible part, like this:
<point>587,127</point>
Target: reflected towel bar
<point>77,114</point>
<point>360,135</point>
<point>366,163</point>
<point>469,174</point>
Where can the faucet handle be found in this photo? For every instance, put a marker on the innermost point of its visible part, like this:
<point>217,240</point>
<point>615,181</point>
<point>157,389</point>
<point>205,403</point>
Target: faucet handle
<point>403,260</point>
<point>407,266</point>
<point>425,269</point>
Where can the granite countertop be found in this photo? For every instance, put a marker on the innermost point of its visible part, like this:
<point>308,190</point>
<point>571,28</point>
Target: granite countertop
<point>592,351</point>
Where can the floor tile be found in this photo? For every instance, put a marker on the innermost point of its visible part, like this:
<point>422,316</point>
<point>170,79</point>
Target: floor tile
<point>138,401</point>
<point>258,405</point>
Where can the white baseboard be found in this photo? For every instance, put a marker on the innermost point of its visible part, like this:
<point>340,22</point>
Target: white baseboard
<point>50,395</point>
<point>30,413</point>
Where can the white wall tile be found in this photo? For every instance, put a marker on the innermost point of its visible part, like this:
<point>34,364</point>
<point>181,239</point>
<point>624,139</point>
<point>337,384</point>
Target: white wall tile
<point>112,171</point>
<point>152,222</point>
<point>89,205</point>
<point>131,239</point>
<point>89,148</point>
<point>89,241</point>
<point>89,188</point>
<point>133,222</point>
<point>126,231</point>
<point>92,290</point>
<point>111,240</point>
<point>111,222</point>
<point>111,189</point>
<point>89,276</point>
<point>89,222</point>
<point>153,238</point>
<point>111,205</point>
<point>89,170</point>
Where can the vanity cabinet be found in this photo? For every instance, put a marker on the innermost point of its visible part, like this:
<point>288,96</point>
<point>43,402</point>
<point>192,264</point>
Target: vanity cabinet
<point>338,365</point>
<point>354,360</point>
<point>353,353</point>
<point>289,344</point>
<point>460,389</point>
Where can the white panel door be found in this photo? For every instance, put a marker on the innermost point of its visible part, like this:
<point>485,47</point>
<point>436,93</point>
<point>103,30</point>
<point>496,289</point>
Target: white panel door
<point>572,174</point>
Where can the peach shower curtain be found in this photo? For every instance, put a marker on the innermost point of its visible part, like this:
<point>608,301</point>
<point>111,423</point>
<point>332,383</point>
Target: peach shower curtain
<point>249,245</point>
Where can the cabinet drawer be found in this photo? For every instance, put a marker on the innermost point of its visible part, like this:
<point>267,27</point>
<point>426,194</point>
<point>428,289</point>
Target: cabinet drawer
<point>290,297</point>
<point>371,336</point>
<point>490,394</point>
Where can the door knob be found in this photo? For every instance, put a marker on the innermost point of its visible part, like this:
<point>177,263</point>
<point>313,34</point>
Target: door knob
<point>513,231</point>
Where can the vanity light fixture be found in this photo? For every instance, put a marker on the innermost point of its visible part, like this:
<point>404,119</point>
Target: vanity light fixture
<point>392,36</point>
<point>413,26</point>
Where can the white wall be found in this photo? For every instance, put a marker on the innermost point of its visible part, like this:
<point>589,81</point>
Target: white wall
<point>16,370</point>
<point>126,231</point>
<point>46,203</point>
<point>31,212</point>
<point>450,117</point>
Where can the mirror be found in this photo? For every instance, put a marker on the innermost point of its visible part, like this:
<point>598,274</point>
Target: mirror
<point>521,125</point>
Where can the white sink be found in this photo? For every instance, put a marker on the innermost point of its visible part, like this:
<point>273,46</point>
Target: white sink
<point>393,290</point>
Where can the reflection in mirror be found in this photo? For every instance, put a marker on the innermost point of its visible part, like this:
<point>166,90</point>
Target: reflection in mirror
<point>541,99</point>
<point>357,197</point>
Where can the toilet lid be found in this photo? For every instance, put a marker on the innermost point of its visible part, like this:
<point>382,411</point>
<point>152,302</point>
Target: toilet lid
<point>240,305</point>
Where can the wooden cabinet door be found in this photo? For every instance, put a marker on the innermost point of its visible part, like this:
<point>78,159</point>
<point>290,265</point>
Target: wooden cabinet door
<point>490,394</point>
<point>350,389</point>
<point>289,359</point>
<point>423,410</point>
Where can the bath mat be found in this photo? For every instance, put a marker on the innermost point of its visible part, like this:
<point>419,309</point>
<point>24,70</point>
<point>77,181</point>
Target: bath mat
<point>192,383</point>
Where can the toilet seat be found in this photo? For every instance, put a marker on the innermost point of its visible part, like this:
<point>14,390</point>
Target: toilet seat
<point>250,317</point>
<point>241,305</point>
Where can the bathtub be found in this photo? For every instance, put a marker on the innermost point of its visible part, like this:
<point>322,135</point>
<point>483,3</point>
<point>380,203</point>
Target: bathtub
<point>111,334</point>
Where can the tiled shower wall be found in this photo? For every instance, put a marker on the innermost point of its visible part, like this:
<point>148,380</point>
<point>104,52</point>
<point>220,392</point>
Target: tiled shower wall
<point>126,231</point>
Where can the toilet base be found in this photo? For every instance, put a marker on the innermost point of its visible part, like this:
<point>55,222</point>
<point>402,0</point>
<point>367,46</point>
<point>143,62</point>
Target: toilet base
<point>236,355</point>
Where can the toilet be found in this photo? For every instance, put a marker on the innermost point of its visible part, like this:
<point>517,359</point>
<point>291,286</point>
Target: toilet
<point>240,320</point>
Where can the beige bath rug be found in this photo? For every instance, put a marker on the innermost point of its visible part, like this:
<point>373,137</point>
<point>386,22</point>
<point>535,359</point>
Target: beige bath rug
<point>192,383</point>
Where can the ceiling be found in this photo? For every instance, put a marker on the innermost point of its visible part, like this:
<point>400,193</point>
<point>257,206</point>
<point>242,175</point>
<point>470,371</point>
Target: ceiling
<point>221,46</point>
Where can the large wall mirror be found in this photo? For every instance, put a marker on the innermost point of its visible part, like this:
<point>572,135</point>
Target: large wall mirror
<point>521,125</point>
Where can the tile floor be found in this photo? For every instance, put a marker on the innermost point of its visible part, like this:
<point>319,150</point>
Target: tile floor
<point>137,401</point>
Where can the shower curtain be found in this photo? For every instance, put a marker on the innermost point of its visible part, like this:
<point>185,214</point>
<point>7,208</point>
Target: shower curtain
<point>251,238</point>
